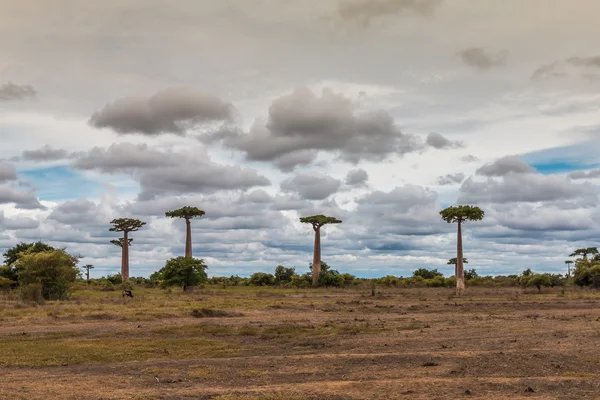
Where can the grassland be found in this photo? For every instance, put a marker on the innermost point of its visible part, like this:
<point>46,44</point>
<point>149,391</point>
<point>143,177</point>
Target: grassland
<point>267,343</point>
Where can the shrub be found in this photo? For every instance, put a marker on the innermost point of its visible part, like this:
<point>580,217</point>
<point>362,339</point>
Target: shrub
<point>115,279</point>
<point>587,274</point>
<point>299,281</point>
<point>261,279</point>
<point>184,271</point>
<point>539,280</point>
<point>33,293</point>
<point>283,274</point>
<point>426,273</point>
<point>6,284</point>
<point>54,270</point>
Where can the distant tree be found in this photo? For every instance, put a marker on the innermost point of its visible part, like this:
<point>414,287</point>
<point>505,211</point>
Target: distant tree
<point>184,272</point>
<point>539,280</point>
<point>453,261</point>
<point>471,274</point>
<point>317,221</point>
<point>568,262</point>
<point>584,252</point>
<point>427,273</point>
<point>186,213</point>
<point>329,277</point>
<point>119,242</point>
<point>459,215</point>
<point>125,225</point>
<point>283,274</point>
<point>587,273</point>
<point>52,270</point>
<point>261,279</point>
<point>87,268</point>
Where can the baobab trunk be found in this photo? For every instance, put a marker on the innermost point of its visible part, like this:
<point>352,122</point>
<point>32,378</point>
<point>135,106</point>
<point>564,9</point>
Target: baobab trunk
<point>460,272</point>
<point>316,269</point>
<point>125,258</point>
<point>188,238</point>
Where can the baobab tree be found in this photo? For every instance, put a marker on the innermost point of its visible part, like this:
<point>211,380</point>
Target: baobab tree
<point>461,214</point>
<point>317,221</point>
<point>584,252</point>
<point>187,213</point>
<point>452,261</point>
<point>568,262</point>
<point>125,225</point>
<point>87,271</point>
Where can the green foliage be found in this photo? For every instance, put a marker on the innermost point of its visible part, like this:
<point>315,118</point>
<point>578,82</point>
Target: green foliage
<point>53,270</point>
<point>261,279</point>
<point>587,274</point>
<point>454,260</point>
<point>32,292</point>
<point>284,275</point>
<point>183,271</point>
<point>119,241</point>
<point>6,284</point>
<point>471,274</point>
<point>115,279</point>
<point>319,220</point>
<point>584,252</point>
<point>304,280</point>
<point>426,273</point>
<point>186,212</point>
<point>12,255</point>
<point>329,277</point>
<point>539,280</point>
<point>462,214</point>
<point>126,225</point>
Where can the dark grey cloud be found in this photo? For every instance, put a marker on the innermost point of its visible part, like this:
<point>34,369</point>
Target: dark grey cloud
<point>288,162</point>
<point>438,141</point>
<point>75,212</point>
<point>450,179</point>
<point>8,172</point>
<point>585,174</point>
<point>357,177</point>
<point>528,187</point>
<point>311,186</point>
<point>26,200</point>
<point>504,166</point>
<point>302,121</point>
<point>165,172</point>
<point>364,11</point>
<point>172,110</point>
<point>481,58</point>
<point>17,223</point>
<point>12,92</point>
<point>44,153</point>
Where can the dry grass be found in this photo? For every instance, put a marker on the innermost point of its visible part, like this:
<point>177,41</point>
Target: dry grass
<point>277,344</point>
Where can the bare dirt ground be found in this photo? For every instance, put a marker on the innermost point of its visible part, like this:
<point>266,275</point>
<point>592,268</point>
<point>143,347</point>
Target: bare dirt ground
<point>493,343</point>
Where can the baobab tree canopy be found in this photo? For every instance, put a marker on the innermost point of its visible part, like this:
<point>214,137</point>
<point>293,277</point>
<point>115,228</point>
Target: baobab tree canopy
<point>126,225</point>
<point>185,212</point>
<point>462,214</point>
<point>119,242</point>
<point>584,252</point>
<point>318,221</point>
<point>454,260</point>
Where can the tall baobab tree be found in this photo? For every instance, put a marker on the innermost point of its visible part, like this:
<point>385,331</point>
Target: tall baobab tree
<point>569,262</point>
<point>317,221</point>
<point>459,215</point>
<point>187,213</point>
<point>125,225</point>
<point>87,271</point>
<point>453,261</point>
<point>584,252</point>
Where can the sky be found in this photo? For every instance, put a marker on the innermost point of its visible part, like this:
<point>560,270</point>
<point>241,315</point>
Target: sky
<point>377,112</point>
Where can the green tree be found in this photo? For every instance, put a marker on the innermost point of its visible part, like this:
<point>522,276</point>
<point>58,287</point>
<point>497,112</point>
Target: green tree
<point>87,268</point>
<point>125,225</point>
<point>584,252</point>
<point>261,279</point>
<point>453,261</point>
<point>53,270</point>
<point>426,273</point>
<point>459,215</point>
<point>187,213</point>
<point>317,221</point>
<point>471,274</point>
<point>539,280</point>
<point>568,262</point>
<point>183,271</point>
<point>283,274</point>
<point>12,255</point>
<point>587,273</point>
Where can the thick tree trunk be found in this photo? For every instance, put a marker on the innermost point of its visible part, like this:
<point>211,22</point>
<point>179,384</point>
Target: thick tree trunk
<point>460,271</point>
<point>316,267</point>
<point>125,258</point>
<point>188,238</point>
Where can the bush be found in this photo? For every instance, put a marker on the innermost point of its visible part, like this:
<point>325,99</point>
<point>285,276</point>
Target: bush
<point>283,274</point>
<point>115,279</point>
<point>183,271</point>
<point>53,270</point>
<point>587,274</point>
<point>301,280</point>
<point>6,284</point>
<point>539,280</point>
<point>261,279</point>
<point>427,274</point>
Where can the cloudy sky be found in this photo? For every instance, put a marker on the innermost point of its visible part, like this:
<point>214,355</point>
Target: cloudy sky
<point>377,112</point>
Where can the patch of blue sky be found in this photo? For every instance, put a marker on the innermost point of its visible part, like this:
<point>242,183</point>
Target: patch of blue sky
<point>564,159</point>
